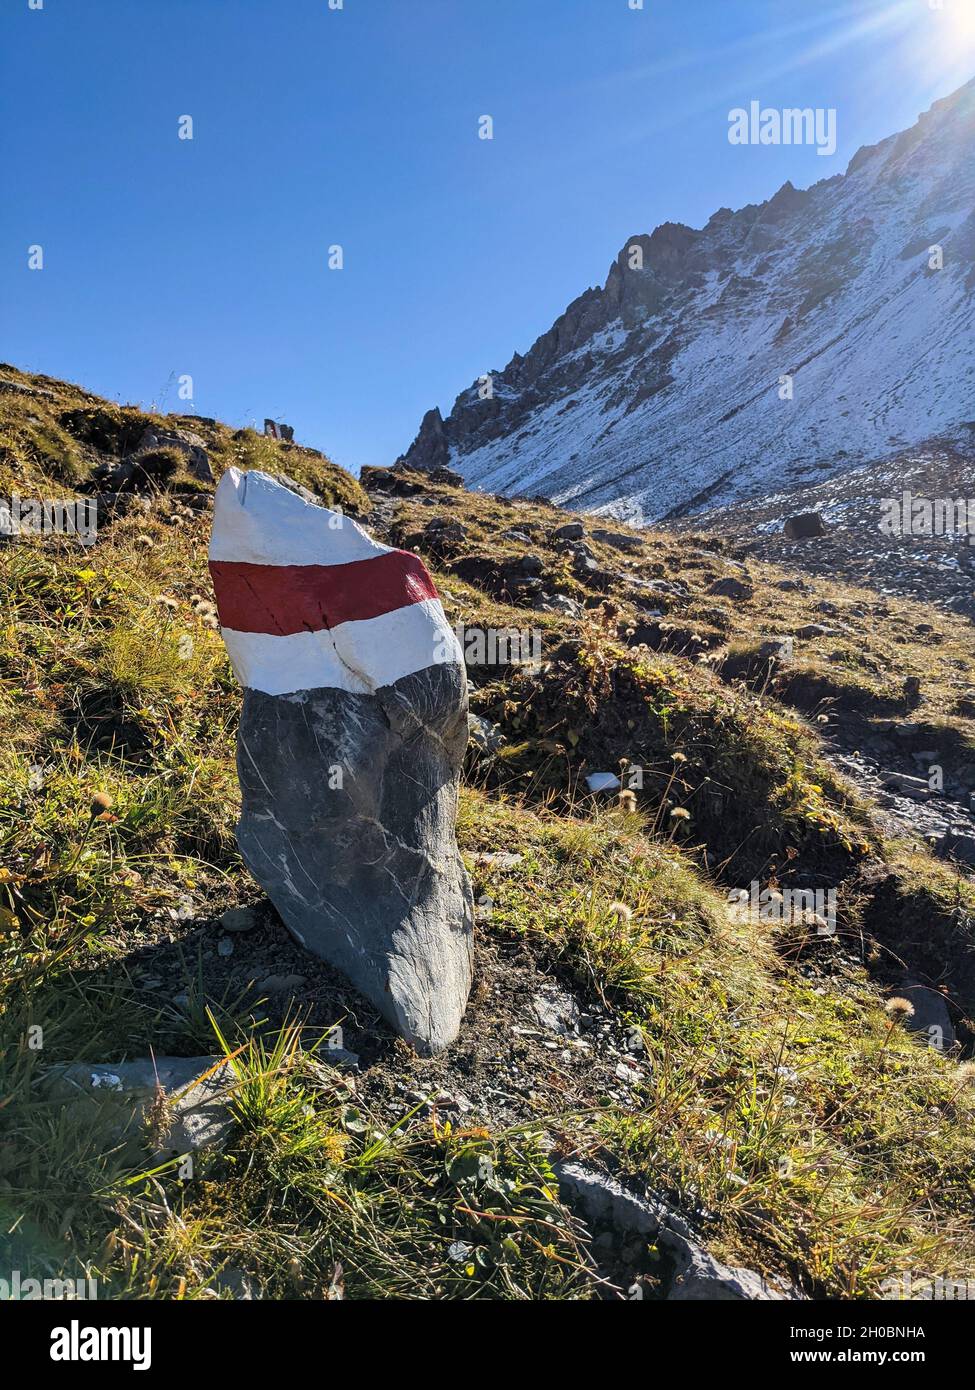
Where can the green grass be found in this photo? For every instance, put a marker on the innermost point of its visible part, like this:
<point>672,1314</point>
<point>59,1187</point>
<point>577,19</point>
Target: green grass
<point>313,1196</point>
<point>790,1111</point>
<point>800,1128</point>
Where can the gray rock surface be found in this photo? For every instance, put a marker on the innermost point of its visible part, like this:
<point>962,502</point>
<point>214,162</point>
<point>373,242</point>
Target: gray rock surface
<point>194,1116</point>
<point>239,919</point>
<point>730,587</point>
<point>486,737</point>
<point>930,1015</point>
<point>694,1273</point>
<point>367,875</point>
<point>556,1010</point>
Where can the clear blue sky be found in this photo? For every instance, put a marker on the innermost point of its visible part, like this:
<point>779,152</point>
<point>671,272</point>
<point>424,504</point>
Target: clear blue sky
<point>359,127</point>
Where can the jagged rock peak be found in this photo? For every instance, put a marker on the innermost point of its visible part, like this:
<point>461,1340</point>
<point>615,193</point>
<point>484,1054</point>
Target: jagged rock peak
<point>715,363</point>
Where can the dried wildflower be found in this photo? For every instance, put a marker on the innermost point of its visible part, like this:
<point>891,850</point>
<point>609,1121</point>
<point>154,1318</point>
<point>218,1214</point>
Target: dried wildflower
<point>899,1009</point>
<point>627,802</point>
<point>620,910</point>
<point>678,813</point>
<point>965,1074</point>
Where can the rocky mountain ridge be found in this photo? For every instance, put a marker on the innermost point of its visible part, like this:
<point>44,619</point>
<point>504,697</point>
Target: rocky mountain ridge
<point>782,343</point>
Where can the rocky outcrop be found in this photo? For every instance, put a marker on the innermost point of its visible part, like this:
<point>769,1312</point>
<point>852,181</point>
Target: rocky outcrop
<point>429,449</point>
<point>694,1274</point>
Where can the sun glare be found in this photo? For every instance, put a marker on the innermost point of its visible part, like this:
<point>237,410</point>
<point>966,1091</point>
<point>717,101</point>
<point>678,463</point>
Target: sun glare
<point>941,41</point>
<point>958,17</point>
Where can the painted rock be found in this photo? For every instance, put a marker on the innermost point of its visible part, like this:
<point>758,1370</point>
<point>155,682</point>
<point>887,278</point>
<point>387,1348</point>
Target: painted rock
<point>352,734</point>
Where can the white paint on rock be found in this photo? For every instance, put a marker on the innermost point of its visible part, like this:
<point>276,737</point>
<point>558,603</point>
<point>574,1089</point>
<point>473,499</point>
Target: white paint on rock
<point>358,657</point>
<point>258,521</point>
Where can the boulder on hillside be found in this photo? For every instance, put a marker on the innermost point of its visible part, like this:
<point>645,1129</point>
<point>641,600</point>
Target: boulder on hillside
<point>730,587</point>
<point>805,525</point>
<point>190,445</point>
<point>386,481</point>
<point>619,540</point>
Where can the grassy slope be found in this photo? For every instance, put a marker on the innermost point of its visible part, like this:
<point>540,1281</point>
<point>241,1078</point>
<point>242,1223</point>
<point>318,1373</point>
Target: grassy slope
<point>803,1129</point>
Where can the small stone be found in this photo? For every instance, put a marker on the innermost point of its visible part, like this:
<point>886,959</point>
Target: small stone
<point>225,947</point>
<point>485,736</point>
<point>776,650</point>
<point>531,565</point>
<point>559,603</point>
<point>557,1010</point>
<point>277,984</point>
<point>483,909</point>
<point>498,859</point>
<point>625,1071</point>
<point>441,528</point>
<point>618,540</point>
<point>196,1114</point>
<point>239,919</point>
<point>235,1282</point>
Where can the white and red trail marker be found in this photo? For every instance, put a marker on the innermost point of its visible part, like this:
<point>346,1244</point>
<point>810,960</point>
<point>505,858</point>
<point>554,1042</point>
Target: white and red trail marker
<point>349,667</point>
<point>307,600</point>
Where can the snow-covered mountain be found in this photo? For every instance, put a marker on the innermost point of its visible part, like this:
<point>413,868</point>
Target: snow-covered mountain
<point>667,390</point>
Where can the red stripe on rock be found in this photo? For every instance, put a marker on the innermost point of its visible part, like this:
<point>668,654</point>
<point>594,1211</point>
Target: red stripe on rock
<point>284,599</point>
